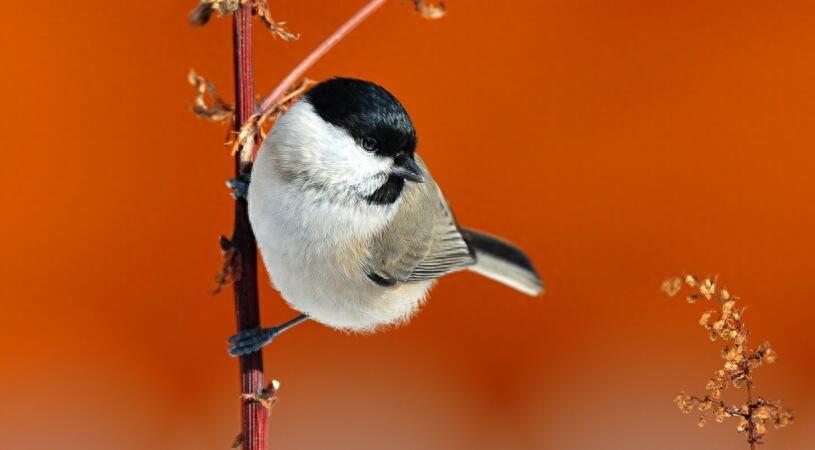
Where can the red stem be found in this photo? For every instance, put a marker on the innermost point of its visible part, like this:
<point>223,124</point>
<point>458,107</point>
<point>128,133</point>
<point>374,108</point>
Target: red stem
<point>247,310</point>
<point>318,53</point>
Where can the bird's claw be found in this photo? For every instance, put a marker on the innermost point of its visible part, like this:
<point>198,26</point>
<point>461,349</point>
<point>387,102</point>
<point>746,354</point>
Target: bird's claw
<point>239,187</point>
<point>250,341</point>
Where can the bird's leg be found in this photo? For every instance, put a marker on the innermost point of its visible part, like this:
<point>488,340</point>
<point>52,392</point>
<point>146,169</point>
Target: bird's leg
<point>239,186</point>
<point>250,341</point>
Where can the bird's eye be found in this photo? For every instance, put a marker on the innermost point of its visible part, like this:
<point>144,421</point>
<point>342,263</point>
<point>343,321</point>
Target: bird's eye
<point>370,144</point>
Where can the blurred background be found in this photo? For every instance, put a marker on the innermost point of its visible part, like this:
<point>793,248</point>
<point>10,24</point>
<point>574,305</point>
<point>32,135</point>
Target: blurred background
<point>619,142</point>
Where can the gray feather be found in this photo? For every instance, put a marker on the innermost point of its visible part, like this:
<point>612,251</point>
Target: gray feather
<point>503,262</point>
<point>422,242</point>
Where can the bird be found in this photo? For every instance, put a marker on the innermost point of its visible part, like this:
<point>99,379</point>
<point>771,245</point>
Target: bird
<point>351,225</point>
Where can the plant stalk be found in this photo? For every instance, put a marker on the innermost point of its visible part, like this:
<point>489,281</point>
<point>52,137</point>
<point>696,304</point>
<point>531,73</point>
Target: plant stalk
<point>247,311</point>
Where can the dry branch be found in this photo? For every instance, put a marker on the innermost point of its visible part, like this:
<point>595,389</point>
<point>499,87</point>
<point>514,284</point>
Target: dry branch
<point>726,324</point>
<point>245,286</point>
<point>332,40</point>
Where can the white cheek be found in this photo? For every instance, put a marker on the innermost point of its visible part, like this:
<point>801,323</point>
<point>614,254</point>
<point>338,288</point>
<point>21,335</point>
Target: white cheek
<point>302,140</point>
<point>347,161</point>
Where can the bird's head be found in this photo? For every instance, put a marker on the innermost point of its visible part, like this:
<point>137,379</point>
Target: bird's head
<point>347,137</point>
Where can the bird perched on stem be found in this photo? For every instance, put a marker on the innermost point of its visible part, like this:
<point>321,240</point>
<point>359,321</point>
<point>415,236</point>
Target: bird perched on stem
<point>350,223</point>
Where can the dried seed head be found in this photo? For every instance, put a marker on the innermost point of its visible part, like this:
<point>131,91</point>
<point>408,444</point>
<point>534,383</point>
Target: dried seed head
<point>428,10</point>
<point>219,110</point>
<point>719,414</point>
<point>203,12</point>
<point>671,286</point>
<point>238,442</point>
<point>739,362</point>
<point>727,308</point>
<point>707,288</point>
<point>703,321</point>
<point>278,29</point>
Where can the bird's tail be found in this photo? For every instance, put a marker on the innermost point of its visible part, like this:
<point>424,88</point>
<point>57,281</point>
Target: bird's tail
<point>503,262</point>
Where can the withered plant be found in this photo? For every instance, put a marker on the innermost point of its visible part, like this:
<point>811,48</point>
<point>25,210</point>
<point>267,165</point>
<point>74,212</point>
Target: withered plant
<point>754,414</point>
<point>248,121</point>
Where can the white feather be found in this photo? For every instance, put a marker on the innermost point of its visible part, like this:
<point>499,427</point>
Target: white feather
<point>507,273</point>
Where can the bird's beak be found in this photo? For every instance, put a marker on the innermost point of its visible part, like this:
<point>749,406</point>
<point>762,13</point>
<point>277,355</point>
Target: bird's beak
<point>409,170</point>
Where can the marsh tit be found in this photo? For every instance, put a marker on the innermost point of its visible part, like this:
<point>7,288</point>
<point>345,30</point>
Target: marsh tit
<point>349,221</point>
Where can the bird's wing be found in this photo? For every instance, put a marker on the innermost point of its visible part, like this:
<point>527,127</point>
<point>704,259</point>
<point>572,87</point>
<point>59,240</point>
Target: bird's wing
<point>422,242</point>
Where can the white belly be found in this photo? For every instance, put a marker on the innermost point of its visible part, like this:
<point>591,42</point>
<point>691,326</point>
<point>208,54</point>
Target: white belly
<point>313,250</point>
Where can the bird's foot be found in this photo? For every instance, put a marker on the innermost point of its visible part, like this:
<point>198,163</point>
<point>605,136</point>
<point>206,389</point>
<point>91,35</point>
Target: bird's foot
<point>239,187</point>
<point>250,341</point>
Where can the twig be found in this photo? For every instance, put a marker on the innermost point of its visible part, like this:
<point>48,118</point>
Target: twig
<point>247,310</point>
<point>318,53</point>
<point>751,428</point>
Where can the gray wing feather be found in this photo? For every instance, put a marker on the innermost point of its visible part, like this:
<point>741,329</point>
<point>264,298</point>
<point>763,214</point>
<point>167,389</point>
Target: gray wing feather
<point>448,251</point>
<point>422,242</point>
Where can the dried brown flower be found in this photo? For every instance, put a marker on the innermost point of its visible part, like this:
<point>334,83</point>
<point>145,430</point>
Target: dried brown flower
<point>238,442</point>
<point>278,29</point>
<point>429,10</point>
<point>671,286</point>
<point>252,131</point>
<point>219,111</point>
<point>267,396</point>
<point>739,362</point>
<point>230,269</point>
<point>203,12</point>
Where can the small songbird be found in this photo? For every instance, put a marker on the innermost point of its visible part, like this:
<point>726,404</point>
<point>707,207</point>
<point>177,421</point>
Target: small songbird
<point>351,225</point>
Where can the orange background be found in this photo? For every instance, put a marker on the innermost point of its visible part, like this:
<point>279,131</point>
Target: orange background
<point>619,142</point>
